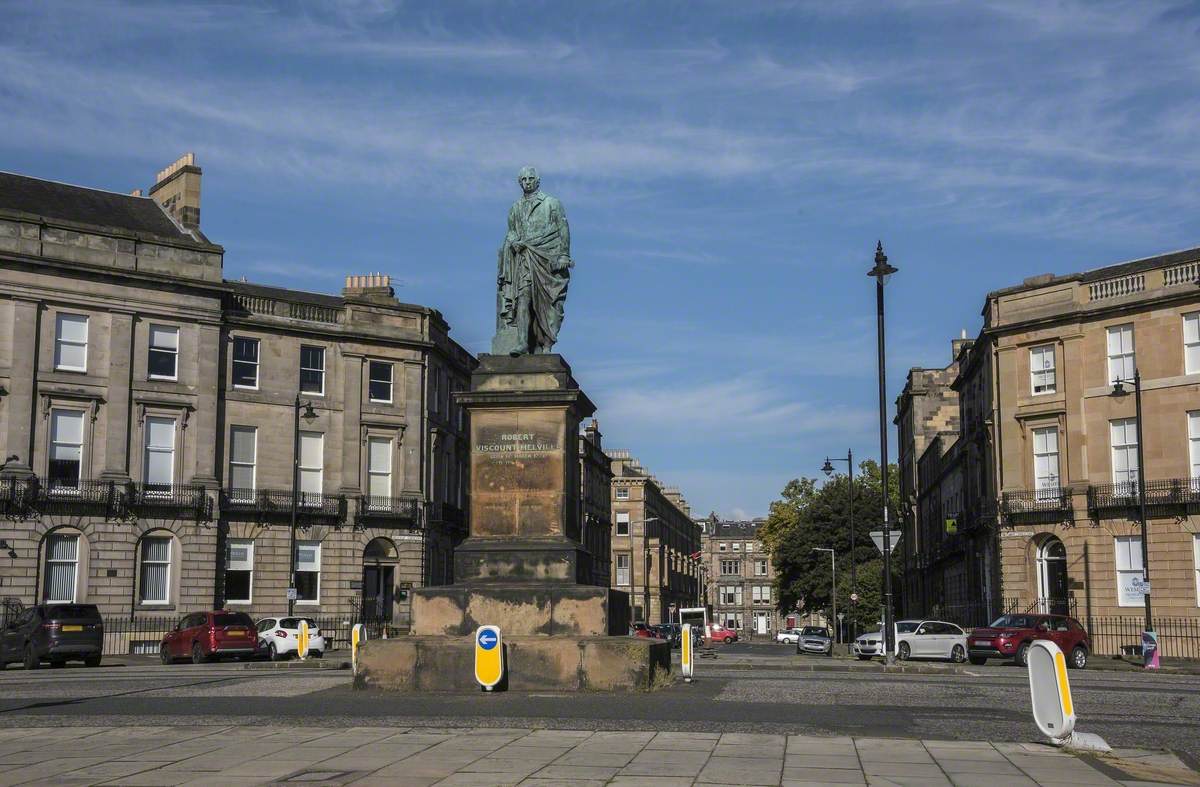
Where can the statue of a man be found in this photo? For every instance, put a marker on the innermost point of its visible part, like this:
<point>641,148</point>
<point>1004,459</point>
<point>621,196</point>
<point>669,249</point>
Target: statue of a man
<point>533,273</point>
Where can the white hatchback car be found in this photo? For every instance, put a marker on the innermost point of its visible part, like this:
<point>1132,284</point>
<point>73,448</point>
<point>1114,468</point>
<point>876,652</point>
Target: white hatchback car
<point>788,636</point>
<point>278,637</point>
<point>930,639</point>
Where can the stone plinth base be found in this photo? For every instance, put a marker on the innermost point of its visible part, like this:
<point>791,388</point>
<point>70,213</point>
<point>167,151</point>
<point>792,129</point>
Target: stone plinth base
<point>519,609</point>
<point>533,663</point>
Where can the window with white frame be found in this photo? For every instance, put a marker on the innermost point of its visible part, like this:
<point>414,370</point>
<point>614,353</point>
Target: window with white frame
<point>1041,369</point>
<point>379,471</point>
<point>155,578</point>
<point>731,594</point>
<point>239,571</point>
<point>1194,444</point>
<point>762,594</point>
<point>159,469</point>
<point>245,362</point>
<point>312,466</point>
<point>1191,343</point>
<point>312,370</point>
<point>760,568</point>
<point>622,523</point>
<point>308,572</point>
<point>622,493</point>
<point>737,546</point>
<point>1121,363</point>
<point>1129,571</point>
<point>731,567</point>
<point>243,456</point>
<point>66,449</point>
<point>71,342</point>
<point>1045,462</point>
<point>62,567</point>
<point>1123,436</point>
<point>379,382</point>
<point>733,620</point>
<point>162,362</point>
<point>723,547</point>
<point>623,562</point>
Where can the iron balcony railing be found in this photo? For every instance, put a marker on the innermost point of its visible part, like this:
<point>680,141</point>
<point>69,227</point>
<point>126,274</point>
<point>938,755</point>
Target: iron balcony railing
<point>80,497</point>
<point>1049,504</point>
<point>17,496</point>
<point>388,512</point>
<point>166,499</point>
<point>277,503</point>
<point>1163,494</point>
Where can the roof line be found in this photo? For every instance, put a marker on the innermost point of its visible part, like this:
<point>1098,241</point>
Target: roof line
<point>76,185</point>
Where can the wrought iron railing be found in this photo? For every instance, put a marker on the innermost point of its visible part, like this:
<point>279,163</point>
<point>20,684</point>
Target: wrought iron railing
<point>17,496</point>
<point>81,497</point>
<point>1161,493</point>
<point>262,503</point>
<point>1036,505</point>
<point>388,511</point>
<point>165,499</point>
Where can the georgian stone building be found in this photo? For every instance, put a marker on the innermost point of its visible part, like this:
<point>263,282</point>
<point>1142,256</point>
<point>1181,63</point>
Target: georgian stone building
<point>148,411</point>
<point>740,576</point>
<point>1047,515</point>
<point>655,543</point>
<point>595,497</point>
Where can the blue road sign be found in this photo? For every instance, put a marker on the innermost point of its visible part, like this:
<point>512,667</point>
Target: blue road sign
<point>487,639</point>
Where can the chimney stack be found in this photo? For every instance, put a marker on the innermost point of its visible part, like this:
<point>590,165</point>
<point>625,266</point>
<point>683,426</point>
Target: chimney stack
<point>369,285</point>
<point>177,189</point>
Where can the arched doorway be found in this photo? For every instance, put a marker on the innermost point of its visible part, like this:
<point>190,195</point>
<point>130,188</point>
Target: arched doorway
<point>1052,577</point>
<point>379,580</point>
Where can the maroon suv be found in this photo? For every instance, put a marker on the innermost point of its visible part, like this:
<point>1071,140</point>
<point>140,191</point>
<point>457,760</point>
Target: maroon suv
<point>1010,636</point>
<point>204,636</point>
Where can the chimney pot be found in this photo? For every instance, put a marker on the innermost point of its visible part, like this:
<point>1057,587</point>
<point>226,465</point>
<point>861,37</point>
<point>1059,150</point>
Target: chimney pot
<point>177,190</point>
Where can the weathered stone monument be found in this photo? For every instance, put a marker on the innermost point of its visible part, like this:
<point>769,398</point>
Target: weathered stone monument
<point>523,568</point>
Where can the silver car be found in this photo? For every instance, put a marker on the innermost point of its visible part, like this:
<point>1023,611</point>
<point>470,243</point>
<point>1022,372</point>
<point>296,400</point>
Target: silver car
<point>815,639</point>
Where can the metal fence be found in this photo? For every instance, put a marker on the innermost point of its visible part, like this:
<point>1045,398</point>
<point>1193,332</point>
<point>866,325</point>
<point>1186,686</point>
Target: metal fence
<point>1115,636</point>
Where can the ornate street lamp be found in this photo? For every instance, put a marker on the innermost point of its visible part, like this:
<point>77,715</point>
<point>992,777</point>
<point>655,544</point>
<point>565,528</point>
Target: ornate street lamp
<point>881,273</point>
<point>1119,391</point>
<point>827,469</point>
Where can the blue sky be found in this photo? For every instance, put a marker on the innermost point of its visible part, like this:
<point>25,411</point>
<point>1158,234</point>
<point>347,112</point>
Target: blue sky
<point>726,167</point>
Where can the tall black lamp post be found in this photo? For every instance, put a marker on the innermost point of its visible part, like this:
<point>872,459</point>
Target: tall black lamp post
<point>881,273</point>
<point>309,415</point>
<point>827,469</point>
<point>1119,391</point>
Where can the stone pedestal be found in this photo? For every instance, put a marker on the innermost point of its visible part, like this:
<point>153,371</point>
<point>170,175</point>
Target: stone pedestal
<point>523,567</point>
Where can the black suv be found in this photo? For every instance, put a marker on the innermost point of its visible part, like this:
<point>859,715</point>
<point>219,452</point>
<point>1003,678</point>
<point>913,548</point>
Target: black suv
<point>57,633</point>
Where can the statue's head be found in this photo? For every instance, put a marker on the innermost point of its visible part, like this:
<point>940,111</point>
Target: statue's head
<point>529,180</point>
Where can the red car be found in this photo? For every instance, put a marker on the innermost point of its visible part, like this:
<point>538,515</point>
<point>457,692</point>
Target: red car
<point>1010,636</point>
<point>722,634</point>
<point>204,636</point>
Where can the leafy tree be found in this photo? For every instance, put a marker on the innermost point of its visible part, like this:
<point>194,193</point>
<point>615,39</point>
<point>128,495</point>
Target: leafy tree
<point>810,516</point>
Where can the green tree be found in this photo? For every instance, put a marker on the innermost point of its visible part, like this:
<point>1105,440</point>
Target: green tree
<point>810,516</point>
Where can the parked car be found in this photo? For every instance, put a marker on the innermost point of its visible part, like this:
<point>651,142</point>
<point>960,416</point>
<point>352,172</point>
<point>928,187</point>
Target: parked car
<point>668,631</point>
<point>204,636</point>
<point>815,639</point>
<point>56,633</point>
<point>722,634</point>
<point>642,630</point>
<point>868,646</point>
<point>930,639</point>
<point>279,637</point>
<point>1010,637</point>
<point>788,636</point>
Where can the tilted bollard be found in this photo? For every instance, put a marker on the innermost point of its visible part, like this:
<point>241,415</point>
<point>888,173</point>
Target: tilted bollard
<point>302,641</point>
<point>358,635</point>
<point>1053,706</point>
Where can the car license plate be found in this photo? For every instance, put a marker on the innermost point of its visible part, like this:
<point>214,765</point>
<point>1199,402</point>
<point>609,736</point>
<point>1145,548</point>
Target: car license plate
<point>983,642</point>
<point>238,632</point>
<point>72,628</point>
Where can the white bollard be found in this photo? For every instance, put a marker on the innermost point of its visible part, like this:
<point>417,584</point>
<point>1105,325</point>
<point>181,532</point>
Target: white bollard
<point>358,635</point>
<point>686,654</point>
<point>1053,706</point>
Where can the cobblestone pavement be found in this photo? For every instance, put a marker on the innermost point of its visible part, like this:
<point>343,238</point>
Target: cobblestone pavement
<point>249,755</point>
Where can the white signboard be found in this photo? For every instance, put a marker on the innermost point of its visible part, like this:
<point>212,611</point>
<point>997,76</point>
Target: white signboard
<point>1130,587</point>
<point>1139,585</point>
<point>877,537</point>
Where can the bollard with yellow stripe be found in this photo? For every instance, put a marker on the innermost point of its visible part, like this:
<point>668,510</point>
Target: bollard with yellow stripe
<point>489,657</point>
<point>302,640</point>
<point>358,635</point>
<point>1053,707</point>
<point>686,654</point>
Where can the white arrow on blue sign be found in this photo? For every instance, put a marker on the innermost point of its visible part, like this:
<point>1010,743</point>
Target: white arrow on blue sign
<point>487,639</point>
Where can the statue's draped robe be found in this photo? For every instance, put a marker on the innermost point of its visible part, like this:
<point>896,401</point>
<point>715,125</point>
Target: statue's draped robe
<point>542,267</point>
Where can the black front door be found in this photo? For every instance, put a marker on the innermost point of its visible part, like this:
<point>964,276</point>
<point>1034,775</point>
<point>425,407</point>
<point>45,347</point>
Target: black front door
<point>1056,579</point>
<point>378,587</point>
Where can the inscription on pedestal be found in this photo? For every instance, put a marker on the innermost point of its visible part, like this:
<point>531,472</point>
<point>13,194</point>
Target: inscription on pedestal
<point>517,474</point>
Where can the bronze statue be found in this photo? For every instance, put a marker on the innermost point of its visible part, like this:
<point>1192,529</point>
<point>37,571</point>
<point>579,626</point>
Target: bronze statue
<point>533,272</point>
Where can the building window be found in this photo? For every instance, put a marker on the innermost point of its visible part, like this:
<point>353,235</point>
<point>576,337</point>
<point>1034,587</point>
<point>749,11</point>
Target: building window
<point>245,362</point>
<point>723,547</point>
<point>1045,461</point>
<point>66,449</point>
<point>239,571</point>
<point>435,396</point>
<point>1124,450</point>
<point>312,465</point>
<point>155,578</point>
<point>312,370</point>
<point>622,493</point>
<point>1041,369</point>
<point>1191,343</point>
<point>159,471</point>
<point>379,470</point>
<point>760,568</point>
<point>1194,443</point>
<point>731,567</point>
<point>308,572</point>
<point>737,546</point>
<point>623,562</point>
<point>1196,563</point>
<point>622,523</point>
<point>70,342</point>
<point>762,594</point>
<point>1129,568</point>
<point>62,563</point>
<point>731,594</point>
<point>163,361</point>
<point>1120,353</point>
<point>379,382</point>
<point>243,452</point>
